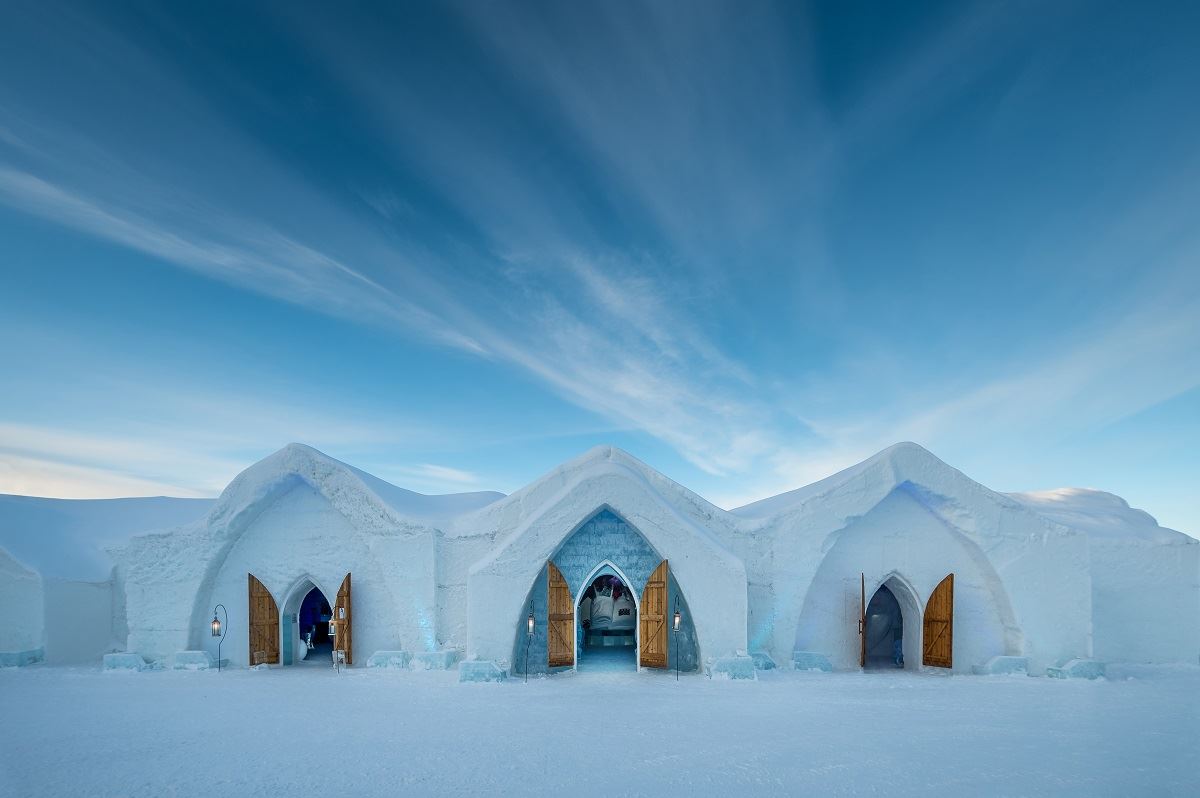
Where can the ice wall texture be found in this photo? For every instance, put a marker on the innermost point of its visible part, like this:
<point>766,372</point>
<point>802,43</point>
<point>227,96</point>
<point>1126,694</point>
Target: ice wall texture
<point>606,537</point>
<point>21,596</point>
<point>79,621</point>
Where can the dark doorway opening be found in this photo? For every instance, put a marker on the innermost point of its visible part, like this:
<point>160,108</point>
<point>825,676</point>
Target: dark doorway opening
<point>884,631</point>
<point>316,646</point>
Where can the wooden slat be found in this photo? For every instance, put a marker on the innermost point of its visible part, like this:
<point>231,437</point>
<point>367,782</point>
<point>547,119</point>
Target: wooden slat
<point>263,624</point>
<point>653,620</point>
<point>939,626</point>
<point>561,619</point>
<point>344,640</point>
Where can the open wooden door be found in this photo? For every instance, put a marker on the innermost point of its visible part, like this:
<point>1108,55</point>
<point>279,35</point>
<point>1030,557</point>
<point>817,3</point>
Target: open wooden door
<point>561,618</point>
<point>264,624</point>
<point>344,639</point>
<point>862,620</point>
<point>652,621</point>
<point>939,626</point>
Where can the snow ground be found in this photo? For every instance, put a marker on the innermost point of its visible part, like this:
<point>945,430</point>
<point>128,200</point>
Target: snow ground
<point>309,731</point>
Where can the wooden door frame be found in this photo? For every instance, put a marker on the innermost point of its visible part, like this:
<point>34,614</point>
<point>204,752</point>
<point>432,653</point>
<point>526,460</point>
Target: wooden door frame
<point>637,607</point>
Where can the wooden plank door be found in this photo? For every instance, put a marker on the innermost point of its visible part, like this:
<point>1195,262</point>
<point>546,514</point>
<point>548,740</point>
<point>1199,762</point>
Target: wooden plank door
<point>561,619</point>
<point>344,639</point>
<point>263,625</point>
<point>862,620</point>
<point>653,619</point>
<point>939,626</point>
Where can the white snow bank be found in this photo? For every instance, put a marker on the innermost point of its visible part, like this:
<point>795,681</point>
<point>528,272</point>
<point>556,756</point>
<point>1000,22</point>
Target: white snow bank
<point>1101,515</point>
<point>66,538</point>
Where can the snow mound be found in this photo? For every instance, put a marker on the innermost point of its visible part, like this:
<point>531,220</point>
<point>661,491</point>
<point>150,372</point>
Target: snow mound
<point>1099,514</point>
<point>66,538</point>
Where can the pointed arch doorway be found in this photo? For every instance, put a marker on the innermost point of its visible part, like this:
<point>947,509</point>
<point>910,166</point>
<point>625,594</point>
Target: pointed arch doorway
<point>606,621</point>
<point>552,634</point>
<point>307,611</point>
<point>889,627</point>
<point>315,623</point>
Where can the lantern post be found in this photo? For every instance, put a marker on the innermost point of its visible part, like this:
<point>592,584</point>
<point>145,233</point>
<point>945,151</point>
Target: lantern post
<point>217,631</point>
<point>675,631</point>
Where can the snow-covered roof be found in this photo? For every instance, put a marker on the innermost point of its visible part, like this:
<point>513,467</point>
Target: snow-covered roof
<point>855,490</point>
<point>1100,514</point>
<point>861,486</point>
<point>361,497</point>
<point>66,538</point>
<point>436,507</point>
<point>508,512</point>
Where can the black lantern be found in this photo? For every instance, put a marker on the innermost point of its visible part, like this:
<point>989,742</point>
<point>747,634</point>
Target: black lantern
<point>217,632</point>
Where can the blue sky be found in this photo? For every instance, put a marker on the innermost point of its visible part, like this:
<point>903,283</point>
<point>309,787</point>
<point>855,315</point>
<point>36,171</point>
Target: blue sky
<point>457,244</point>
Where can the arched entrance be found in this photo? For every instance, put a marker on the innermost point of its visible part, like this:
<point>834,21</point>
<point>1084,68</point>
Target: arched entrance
<point>604,601</point>
<point>606,621</point>
<point>304,631</point>
<point>891,636</point>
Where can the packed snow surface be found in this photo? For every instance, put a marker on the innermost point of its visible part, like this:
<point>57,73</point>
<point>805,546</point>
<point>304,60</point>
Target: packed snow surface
<point>309,731</point>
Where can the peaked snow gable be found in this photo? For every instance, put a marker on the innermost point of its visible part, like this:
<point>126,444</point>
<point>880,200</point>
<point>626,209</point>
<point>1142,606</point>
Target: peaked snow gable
<point>530,525</point>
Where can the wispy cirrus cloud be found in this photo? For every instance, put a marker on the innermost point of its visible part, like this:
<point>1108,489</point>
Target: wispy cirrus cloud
<point>639,211</point>
<point>256,257</point>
